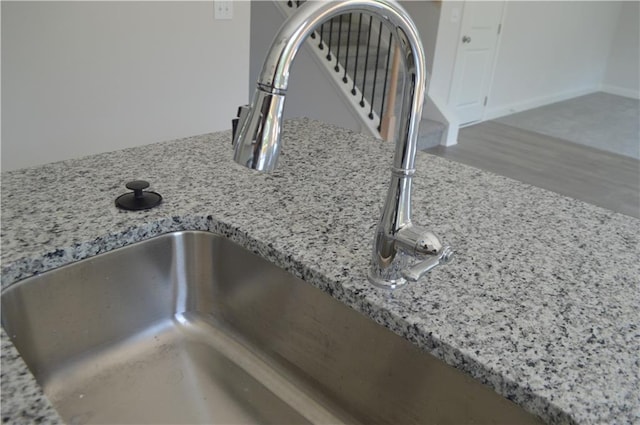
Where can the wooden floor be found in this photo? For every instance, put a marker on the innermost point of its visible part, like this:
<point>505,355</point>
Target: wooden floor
<point>597,177</point>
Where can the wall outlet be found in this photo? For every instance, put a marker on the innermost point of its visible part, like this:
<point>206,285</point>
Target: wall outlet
<point>223,9</point>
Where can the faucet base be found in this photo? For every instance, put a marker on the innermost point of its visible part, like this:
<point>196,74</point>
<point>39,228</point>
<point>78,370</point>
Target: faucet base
<point>381,283</point>
<point>388,274</point>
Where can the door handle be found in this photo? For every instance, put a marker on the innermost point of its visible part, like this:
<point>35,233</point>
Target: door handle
<point>466,39</point>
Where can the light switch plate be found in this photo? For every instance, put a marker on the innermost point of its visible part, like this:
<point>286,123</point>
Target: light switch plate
<point>223,9</point>
<point>455,15</point>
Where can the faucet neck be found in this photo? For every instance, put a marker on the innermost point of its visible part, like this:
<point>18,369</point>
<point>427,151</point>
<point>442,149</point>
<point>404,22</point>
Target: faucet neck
<point>276,69</point>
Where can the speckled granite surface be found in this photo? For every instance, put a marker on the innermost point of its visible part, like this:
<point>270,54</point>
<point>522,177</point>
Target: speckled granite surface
<point>22,398</point>
<point>541,303</point>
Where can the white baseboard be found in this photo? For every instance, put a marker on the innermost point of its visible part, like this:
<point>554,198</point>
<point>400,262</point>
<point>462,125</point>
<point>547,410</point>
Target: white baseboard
<point>501,111</point>
<point>620,91</point>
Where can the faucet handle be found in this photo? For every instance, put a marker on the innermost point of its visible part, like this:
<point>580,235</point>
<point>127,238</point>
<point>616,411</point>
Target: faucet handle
<point>417,271</point>
<point>240,116</point>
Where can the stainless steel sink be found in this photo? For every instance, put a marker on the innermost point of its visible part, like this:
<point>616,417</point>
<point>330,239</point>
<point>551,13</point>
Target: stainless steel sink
<point>191,328</point>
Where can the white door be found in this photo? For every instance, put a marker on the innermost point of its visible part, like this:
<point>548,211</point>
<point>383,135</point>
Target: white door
<point>481,24</point>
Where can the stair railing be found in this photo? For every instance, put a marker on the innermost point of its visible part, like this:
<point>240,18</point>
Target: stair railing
<point>362,50</point>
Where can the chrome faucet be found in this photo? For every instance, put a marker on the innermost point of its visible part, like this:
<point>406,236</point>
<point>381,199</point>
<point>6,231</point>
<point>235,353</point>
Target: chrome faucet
<point>256,134</point>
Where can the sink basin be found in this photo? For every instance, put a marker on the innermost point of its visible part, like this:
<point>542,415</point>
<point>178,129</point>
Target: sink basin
<point>189,327</point>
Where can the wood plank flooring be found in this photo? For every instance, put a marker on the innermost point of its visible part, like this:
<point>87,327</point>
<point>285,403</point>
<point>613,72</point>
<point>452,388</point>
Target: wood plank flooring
<point>605,179</point>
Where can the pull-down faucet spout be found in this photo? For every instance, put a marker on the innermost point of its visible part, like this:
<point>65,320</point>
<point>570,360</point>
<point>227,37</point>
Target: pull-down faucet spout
<point>257,133</point>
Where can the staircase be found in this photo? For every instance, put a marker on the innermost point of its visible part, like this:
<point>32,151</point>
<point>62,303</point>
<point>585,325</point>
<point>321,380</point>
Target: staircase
<point>359,52</point>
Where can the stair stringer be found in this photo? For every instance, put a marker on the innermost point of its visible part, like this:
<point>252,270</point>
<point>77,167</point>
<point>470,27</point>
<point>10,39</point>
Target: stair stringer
<point>434,109</point>
<point>368,125</point>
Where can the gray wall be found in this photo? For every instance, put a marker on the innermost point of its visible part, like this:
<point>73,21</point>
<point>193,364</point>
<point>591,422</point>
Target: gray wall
<point>551,51</point>
<point>311,93</point>
<point>445,50</point>
<point>80,78</point>
<point>623,68</point>
<point>426,16</point>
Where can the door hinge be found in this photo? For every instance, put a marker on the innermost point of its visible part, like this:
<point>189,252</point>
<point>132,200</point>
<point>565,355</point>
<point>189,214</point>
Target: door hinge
<point>499,28</point>
<point>486,98</point>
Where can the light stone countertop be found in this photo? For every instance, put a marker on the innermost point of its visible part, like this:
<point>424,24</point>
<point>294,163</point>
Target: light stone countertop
<point>541,302</point>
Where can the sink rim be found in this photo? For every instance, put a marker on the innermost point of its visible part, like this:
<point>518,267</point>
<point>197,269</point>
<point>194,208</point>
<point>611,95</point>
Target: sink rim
<point>215,236</point>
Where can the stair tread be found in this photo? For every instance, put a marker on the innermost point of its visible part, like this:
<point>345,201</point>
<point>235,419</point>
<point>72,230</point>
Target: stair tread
<point>430,133</point>
<point>430,126</point>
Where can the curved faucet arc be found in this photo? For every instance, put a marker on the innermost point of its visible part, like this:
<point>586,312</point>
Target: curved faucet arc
<point>257,132</point>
